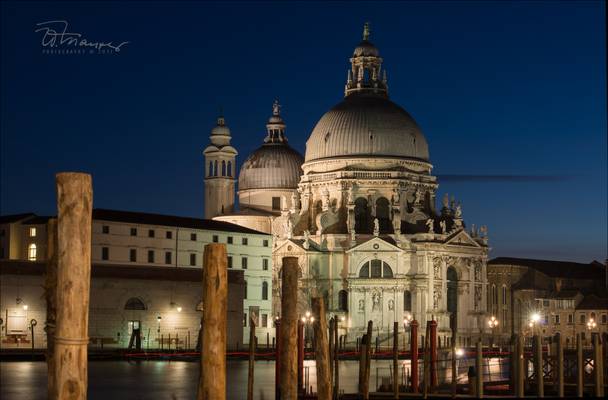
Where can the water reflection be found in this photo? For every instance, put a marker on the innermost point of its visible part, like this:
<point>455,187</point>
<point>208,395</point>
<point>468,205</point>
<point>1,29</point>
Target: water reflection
<point>179,379</point>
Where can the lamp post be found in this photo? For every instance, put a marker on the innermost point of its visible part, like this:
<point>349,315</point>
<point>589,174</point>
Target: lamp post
<point>307,320</point>
<point>591,325</point>
<point>406,323</point>
<point>492,323</point>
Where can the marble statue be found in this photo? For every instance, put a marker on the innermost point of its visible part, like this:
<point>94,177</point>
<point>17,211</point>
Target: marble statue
<point>396,197</point>
<point>419,196</point>
<point>376,227</point>
<point>430,223</point>
<point>294,201</point>
<point>483,231</point>
<point>458,212</point>
<point>376,301</point>
<point>444,227</point>
<point>351,195</point>
<point>306,243</point>
<point>361,305</point>
<point>391,305</point>
<point>289,228</point>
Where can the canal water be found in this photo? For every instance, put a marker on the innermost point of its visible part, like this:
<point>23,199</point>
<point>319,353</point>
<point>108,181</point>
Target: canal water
<point>24,380</point>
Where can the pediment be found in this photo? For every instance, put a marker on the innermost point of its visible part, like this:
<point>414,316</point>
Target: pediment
<point>295,247</point>
<point>462,238</point>
<point>373,245</point>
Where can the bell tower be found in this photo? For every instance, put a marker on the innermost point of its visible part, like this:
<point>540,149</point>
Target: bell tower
<point>220,168</point>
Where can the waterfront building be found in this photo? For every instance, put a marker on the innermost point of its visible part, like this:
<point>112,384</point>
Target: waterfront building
<point>151,242</point>
<point>545,297</point>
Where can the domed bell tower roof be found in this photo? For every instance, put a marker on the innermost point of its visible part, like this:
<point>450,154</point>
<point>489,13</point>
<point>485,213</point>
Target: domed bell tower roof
<point>366,74</point>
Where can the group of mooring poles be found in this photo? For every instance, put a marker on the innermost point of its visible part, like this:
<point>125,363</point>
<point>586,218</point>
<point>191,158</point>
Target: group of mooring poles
<point>520,372</point>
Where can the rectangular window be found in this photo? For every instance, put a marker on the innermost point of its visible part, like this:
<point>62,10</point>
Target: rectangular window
<point>570,318</point>
<point>169,235</point>
<point>264,320</point>
<point>193,237</point>
<point>604,318</point>
<point>229,240</point>
<point>32,252</point>
<point>245,289</point>
<point>245,242</point>
<point>215,238</point>
<point>546,320</point>
<point>105,229</point>
<point>229,261</point>
<point>167,257</point>
<point>557,319</point>
<point>582,318</point>
<point>150,256</point>
<point>546,303</point>
<point>192,259</point>
<point>244,319</point>
<point>133,255</point>
<point>105,253</point>
<point>265,243</point>
<point>244,262</point>
<point>133,231</point>
<point>33,232</point>
<point>151,233</point>
<point>276,203</point>
<point>265,264</point>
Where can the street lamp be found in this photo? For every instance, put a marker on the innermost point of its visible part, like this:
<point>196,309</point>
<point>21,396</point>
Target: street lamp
<point>407,320</point>
<point>492,323</point>
<point>307,319</point>
<point>591,324</point>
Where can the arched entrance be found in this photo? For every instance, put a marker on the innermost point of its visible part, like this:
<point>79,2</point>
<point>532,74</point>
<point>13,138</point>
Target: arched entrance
<point>452,299</point>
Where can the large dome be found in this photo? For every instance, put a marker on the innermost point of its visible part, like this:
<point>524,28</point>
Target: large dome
<point>272,166</point>
<point>363,125</point>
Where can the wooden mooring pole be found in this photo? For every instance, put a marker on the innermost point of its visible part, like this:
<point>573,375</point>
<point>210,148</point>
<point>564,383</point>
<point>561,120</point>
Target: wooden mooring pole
<point>520,371</point>
<point>598,366</point>
<point>362,354</point>
<point>74,212</point>
<point>332,348</point>
<point>212,384</point>
<point>479,368</point>
<point>538,366</point>
<point>50,290</point>
<point>289,327</point>
<point>580,367</point>
<point>251,359</point>
<point>368,359</point>
<point>396,359</point>
<point>559,358</point>
<point>321,350</point>
<point>336,365</point>
<point>414,355</point>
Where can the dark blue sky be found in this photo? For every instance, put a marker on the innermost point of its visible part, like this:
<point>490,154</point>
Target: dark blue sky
<point>498,88</point>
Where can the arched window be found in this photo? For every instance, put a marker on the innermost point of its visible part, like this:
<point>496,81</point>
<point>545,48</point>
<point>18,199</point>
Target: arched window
<point>229,168</point>
<point>343,300</point>
<point>134,304</point>
<point>223,168</point>
<point>375,269</point>
<point>264,290</point>
<point>210,172</point>
<point>383,215</point>
<point>215,168</point>
<point>407,301</point>
<point>31,252</point>
<point>362,222</point>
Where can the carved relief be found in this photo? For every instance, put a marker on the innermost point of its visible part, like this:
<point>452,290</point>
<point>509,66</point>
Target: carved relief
<point>437,268</point>
<point>361,305</point>
<point>391,305</point>
<point>477,297</point>
<point>436,297</point>
<point>376,301</point>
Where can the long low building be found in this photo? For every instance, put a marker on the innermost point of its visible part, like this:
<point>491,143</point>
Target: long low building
<point>124,243</point>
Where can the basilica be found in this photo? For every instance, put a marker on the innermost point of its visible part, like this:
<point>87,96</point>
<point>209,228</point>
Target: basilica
<point>359,211</point>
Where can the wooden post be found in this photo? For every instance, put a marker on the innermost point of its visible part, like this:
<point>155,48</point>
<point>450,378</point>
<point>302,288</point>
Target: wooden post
<point>251,358</point>
<point>289,327</point>
<point>538,366</point>
<point>519,367</point>
<point>479,368</point>
<point>212,384</point>
<point>580,367</point>
<point>301,356</point>
<point>277,358</point>
<point>332,348</point>
<point>50,291</point>
<point>414,354</point>
<point>74,212</point>
<point>426,375</point>
<point>321,350</point>
<point>362,363</point>
<point>454,371</point>
<point>433,349</point>
<point>396,359</point>
<point>598,373</point>
<point>559,357</point>
<point>336,369</point>
<point>368,360</point>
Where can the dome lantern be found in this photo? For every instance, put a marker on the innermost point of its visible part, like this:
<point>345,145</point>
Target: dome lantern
<point>366,69</point>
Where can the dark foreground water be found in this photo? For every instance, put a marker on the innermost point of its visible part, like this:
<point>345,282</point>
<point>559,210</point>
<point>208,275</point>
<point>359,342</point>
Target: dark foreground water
<point>24,380</point>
